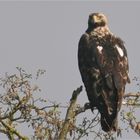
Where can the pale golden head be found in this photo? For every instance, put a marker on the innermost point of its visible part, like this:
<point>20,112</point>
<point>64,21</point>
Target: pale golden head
<point>96,20</point>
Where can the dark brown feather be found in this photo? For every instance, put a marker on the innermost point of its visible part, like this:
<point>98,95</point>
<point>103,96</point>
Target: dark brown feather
<point>103,65</point>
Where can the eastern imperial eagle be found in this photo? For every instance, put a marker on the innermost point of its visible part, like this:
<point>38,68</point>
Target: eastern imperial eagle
<point>103,65</point>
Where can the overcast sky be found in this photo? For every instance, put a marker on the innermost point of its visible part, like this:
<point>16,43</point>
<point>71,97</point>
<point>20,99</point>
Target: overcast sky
<point>45,35</point>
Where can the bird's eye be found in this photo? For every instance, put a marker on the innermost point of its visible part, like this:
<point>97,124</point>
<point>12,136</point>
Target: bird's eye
<point>100,17</point>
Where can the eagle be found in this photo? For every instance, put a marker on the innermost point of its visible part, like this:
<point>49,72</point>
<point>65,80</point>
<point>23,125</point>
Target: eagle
<point>103,64</point>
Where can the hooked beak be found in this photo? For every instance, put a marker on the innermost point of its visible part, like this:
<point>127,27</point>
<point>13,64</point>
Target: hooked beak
<point>96,19</point>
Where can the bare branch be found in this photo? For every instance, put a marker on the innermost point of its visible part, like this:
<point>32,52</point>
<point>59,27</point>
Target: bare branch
<point>12,131</point>
<point>132,95</point>
<point>70,114</point>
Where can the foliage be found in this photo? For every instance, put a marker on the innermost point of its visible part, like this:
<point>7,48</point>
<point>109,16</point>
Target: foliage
<point>21,106</point>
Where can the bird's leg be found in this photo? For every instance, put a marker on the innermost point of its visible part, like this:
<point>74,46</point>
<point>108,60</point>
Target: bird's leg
<point>83,109</point>
<point>89,106</point>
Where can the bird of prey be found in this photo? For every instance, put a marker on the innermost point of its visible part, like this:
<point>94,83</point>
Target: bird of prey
<point>103,64</point>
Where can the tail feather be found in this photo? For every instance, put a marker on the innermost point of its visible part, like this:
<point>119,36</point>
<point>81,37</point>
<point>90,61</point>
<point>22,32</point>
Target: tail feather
<point>109,123</point>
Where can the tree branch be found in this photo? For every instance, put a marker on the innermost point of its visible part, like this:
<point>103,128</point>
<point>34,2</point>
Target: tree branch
<point>87,105</point>
<point>70,114</point>
<point>12,131</point>
<point>131,95</point>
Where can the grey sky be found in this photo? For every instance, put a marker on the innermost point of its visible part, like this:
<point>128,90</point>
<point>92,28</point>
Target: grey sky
<point>45,35</point>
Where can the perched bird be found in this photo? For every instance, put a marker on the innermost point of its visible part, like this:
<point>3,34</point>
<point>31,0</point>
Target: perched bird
<point>103,64</point>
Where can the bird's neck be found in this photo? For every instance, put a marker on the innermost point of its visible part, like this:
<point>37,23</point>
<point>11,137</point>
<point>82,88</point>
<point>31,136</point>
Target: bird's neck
<point>103,30</point>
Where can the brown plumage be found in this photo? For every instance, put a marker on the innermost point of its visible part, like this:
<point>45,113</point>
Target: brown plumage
<point>103,65</point>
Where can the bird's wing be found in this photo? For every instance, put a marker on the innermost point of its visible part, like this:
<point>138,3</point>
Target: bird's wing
<point>103,64</point>
<point>111,57</point>
<point>88,66</point>
<point>121,67</point>
<point>103,59</point>
<point>83,55</point>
